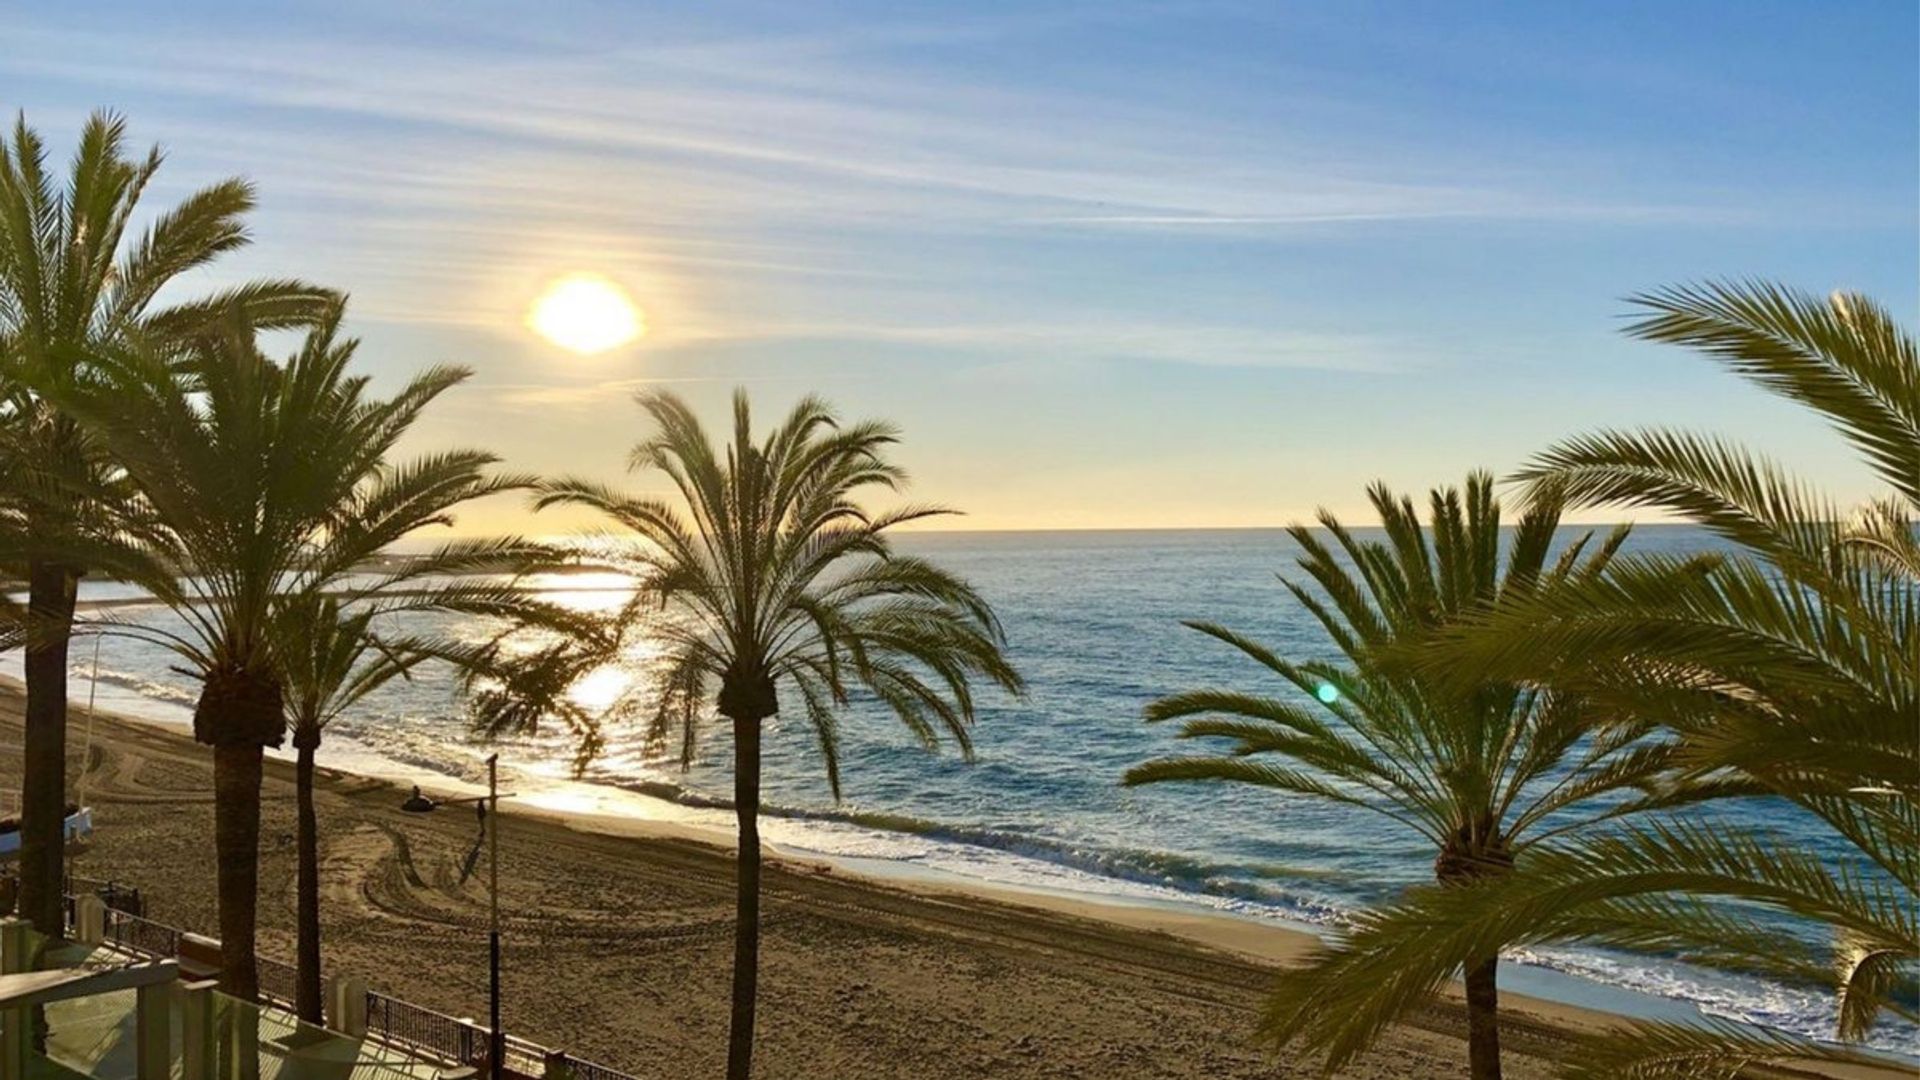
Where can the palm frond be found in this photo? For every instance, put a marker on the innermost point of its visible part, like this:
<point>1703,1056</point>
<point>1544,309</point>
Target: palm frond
<point>767,573</point>
<point>1845,357</point>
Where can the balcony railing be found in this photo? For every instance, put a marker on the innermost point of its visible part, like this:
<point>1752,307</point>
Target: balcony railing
<point>402,1025</point>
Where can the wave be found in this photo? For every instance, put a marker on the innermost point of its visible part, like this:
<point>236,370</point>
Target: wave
<point>1263,885</point>
<point>143,685</point>
<point>1805,1011</point>
<point>1251,886</point>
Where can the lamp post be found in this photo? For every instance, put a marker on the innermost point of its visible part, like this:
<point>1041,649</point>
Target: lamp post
<point>496,1039</point>
<point>489,806</point>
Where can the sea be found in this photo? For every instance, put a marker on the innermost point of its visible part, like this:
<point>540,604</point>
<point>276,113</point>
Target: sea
<point>1094,621</point>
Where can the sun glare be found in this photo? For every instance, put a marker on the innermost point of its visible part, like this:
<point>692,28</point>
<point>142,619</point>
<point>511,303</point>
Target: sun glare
<point>586,314</point>
<point>600,689</point>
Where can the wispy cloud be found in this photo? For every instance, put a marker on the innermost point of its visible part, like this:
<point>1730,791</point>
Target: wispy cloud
<point>1168,342</point>
<point>998,353</point>
<point>771,186</point>
<point>785,129</point>
<point>598,392</point>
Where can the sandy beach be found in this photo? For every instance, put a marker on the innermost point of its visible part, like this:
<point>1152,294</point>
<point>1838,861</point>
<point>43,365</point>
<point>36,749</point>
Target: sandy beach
<point>618,939</point>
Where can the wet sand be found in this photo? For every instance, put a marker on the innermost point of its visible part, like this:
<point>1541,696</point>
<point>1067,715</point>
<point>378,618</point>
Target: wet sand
<point>618,941</point>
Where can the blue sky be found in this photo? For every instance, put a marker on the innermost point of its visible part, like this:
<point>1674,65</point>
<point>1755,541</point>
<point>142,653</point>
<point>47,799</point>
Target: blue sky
<point>1109,264</point>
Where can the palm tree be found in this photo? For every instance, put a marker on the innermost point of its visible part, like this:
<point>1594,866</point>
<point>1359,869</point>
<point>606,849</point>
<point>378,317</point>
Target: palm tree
<point>271,481</point>
<point>73,282</point>
<point>331,659</point>
<point>333,656</point>
<point>1481,772</point>
<point>1792,671</point>
<point>770,576</point>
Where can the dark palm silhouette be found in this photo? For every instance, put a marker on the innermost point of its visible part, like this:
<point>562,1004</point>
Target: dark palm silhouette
<point>268,481</point>
<point>768,577</point>
<point>73,283</point>
<point>1481,772</point>
<point>1790,671</point>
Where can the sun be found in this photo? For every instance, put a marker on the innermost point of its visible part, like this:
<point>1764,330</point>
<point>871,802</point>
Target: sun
<point>586,314</point>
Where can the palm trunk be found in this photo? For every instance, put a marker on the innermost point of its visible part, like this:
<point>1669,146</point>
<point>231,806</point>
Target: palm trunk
<point>1475,855</point>
<point>43,789</point>
<point>306,996</point>
<point>240,713</point>
<point>746,926</point>
<point>1483,1020</point>
<point>236,831</point>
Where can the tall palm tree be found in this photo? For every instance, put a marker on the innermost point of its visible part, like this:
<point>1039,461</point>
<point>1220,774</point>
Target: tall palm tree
<point>270,481</point>
<point>768,576</point>
<point>74,281</point>
<point>1482,772</point>
<point>1792,671</point>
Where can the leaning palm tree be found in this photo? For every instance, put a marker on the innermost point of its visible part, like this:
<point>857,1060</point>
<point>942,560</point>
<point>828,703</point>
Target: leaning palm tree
<point>767,577</point>
<point>73,282</point>
<point>1481,772</point>
<point>1793,671</point>
<point>270,480</point>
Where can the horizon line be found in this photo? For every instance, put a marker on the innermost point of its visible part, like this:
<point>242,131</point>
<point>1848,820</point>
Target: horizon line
<point>911,531</point>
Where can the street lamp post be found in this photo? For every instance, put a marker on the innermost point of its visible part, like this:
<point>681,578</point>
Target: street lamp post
<point>496,1039</point>
<point>489,805</point>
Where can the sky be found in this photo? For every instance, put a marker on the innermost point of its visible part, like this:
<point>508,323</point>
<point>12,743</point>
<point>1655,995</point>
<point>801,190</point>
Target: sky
<point>1108,264</point>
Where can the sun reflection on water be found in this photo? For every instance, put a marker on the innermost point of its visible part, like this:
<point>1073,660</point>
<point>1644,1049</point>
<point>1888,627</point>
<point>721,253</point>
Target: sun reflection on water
<point>601,688</point>
<point>615,694</point>
<point>585,590</point>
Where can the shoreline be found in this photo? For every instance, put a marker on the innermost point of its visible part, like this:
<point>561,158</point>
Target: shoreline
<point>1141,934</point>
<point>1269,940</point>
<point>1264,935</point>
<point>617,810</point>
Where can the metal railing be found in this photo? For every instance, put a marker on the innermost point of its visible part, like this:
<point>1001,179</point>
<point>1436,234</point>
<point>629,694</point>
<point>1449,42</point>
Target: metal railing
<point>137,934</point>
<point>421,1029</point>
<point>413,1029</point>
<point>278,983</point>
<point>529,1059</point>
<point>588,1070</point>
